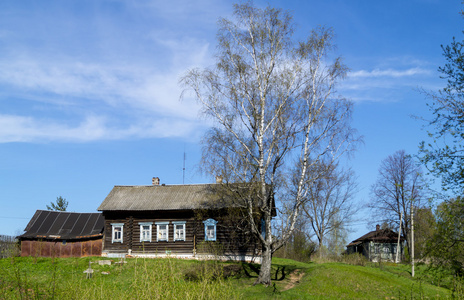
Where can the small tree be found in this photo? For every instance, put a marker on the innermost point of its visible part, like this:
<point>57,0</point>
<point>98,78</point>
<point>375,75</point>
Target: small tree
<point>336,239</point>
<point>424,229</point>
<point>60,205</point>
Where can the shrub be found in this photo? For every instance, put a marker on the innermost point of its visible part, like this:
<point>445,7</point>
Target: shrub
<point>354,259</point>
<point>9,246</point>
<point>211,270</point>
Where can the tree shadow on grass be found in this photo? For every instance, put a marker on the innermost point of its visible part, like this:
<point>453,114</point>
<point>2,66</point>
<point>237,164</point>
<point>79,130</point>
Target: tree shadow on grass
<point>282,271</point>
<point>249,269</point>
<point>252,271</point>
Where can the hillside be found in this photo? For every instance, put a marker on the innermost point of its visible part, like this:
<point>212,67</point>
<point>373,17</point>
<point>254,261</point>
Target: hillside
<point>29,277</point>
<point>343,281</point>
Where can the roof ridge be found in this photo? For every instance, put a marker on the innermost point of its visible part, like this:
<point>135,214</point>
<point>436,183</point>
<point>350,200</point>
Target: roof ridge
<point>160,185</point>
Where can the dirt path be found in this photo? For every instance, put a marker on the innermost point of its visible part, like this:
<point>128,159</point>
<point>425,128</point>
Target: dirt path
<point>294,278</point>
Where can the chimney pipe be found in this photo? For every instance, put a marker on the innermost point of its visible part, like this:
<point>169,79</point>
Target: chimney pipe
<point>155,181</point>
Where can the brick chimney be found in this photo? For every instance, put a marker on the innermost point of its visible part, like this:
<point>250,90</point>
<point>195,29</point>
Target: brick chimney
<point>377,227</point>
<point>218,179</point>
<point>155,181</point>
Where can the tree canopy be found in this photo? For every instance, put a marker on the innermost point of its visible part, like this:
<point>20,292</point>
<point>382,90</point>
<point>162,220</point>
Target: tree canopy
<point>447,245</point>
<point>329,205</point>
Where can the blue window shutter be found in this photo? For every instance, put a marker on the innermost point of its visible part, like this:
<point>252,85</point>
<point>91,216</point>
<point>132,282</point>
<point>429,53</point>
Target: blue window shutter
<point>210,222</point>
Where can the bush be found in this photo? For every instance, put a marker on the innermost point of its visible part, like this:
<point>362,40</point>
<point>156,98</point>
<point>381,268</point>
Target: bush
<point>298,248</point>
<point>211,270</point>
<point>356,259</point>
<point>9,246</point>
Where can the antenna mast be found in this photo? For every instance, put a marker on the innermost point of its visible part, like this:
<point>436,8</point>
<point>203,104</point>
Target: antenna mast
<point>183,169</point>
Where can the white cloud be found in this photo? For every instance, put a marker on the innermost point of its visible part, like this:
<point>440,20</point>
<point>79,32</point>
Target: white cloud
<point>129,86</point>
<point>102,74</point>
<point>390,73</point>
<point>131,91</point>
<point>394,81</point>
<point>92,128</point>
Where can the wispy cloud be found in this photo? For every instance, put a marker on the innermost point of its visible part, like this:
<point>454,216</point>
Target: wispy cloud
<point>92,128</point>
<point>390,73</point>
<point>106,92</point>
<point>391,82</point>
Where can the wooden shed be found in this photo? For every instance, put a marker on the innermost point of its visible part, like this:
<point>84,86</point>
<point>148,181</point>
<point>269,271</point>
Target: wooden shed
<point>63,234</point>
<point>378,245</point>
<point>188,221</point>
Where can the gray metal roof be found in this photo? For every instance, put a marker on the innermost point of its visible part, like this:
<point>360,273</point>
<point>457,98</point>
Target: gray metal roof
<point>161,197</point>
<point>64,225</point>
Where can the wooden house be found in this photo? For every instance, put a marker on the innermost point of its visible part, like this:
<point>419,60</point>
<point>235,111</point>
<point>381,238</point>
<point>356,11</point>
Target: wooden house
<point>378,245</point>
<point>63,234</point>
<point>187,221</point>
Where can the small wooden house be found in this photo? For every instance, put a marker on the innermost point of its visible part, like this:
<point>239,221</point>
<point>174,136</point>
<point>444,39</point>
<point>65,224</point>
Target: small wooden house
<point>188,221</point>
<point>378,245</point>
<point>63,234</point>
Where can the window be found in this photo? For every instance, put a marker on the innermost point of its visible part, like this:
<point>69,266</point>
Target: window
<point>179,230</point>
<point>210,230</point>
<point>162,229</point>
<point>145,231</point>
<point>116,232</point>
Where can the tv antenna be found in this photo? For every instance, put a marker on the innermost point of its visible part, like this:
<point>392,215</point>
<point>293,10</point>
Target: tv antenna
<point>183,169</point>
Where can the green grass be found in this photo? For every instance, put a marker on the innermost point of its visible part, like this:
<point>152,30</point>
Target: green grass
<point>343,281</point>
<point>63,278</point>
<point>31,278</point>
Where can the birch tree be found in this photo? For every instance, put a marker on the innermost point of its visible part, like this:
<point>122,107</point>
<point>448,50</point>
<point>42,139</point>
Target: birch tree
<point>400,184</point>
<point>273,104</point>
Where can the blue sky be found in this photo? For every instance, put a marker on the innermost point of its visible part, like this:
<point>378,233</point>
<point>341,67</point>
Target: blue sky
<point>89,94</point>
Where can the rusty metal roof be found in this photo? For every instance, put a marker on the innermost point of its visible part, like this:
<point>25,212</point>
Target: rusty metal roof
<point>64,225</point>
<point>160,197</point>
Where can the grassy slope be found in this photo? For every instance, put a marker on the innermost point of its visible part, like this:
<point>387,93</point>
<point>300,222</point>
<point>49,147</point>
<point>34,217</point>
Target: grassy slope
<point>342,281</point>
<point>30,278</point>
<point>164,278</point>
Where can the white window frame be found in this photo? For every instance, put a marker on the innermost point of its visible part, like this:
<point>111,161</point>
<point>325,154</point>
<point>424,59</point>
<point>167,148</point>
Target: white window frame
<point>146,239</point>
<point>113,230</point>
<point>177,226</point>
<point>158,224</point>
<point>210,222</point>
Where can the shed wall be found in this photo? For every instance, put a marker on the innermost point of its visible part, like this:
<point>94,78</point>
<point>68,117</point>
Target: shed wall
<point>61,249</point>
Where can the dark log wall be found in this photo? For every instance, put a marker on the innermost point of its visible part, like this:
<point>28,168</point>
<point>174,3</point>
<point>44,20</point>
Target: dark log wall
<point>230,239</point>
<point>61,249</point>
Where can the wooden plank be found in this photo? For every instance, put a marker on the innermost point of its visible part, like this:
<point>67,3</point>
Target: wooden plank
<point>228,238</point>
<point>66,250</point>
